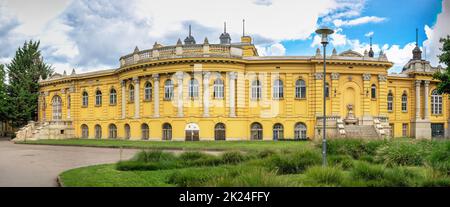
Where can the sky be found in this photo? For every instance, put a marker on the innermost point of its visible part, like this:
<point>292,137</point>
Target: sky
<point>91,35</point>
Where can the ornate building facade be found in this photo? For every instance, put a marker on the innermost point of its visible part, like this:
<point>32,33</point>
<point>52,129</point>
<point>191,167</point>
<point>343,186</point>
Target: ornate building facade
<point>225,91</point>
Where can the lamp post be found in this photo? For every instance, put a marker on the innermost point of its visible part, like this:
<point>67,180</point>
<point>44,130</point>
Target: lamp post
<point>324,32</point>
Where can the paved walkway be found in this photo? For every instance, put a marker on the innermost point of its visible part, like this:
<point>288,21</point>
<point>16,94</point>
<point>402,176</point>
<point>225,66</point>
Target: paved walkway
<point>37,165</point>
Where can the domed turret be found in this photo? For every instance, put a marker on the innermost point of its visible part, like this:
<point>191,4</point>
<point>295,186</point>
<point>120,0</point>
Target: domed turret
<point>417,53</point>
<point>190,40</point>
<point>225,37</point>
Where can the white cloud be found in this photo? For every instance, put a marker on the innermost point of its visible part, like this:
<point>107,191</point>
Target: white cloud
<point>369,34</point>
<point>439,30</point>
<point>276,49</point>
<point>263,2</point>
<point>358,21</point>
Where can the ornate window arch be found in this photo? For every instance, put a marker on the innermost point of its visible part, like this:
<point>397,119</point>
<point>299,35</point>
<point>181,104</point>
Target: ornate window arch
<point>98,97</point>
<point>112,131</point>
<point>131,93</point>
<point>148,91</point>
<point>404,102</point>
<point>373,90</point>
<point>112,96</point>
<point>300,89</point>
<point>98,131</point>
<point>145,130</point>
<point>56,108</point>
<point>219,131</point>
<point>300,131</point>
<point>84,131</point>
<point>167,131</point>
<point>390,101</point>
<point>127,131</point>
<point>85,99</point>
<point>256,90</point>
<point>168,89</point>
<point>436,102</point>
<point>278,131</point>
<point>256,131</point>
<point>218,89</point>
<point>278,90</point>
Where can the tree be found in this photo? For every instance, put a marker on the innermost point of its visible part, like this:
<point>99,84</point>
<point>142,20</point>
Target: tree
<point>4,106</point>
<point>23,73</point>
<point>444,77</point>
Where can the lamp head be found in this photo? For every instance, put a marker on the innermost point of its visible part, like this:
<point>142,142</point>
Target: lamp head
<point>324,32</point>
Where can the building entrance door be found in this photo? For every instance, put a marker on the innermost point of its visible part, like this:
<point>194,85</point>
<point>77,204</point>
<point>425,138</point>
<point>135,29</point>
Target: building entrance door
<point>192,132</point>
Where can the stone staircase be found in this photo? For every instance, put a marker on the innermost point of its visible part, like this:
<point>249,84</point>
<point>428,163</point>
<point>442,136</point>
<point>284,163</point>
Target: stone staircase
<point>45,130</point>
<point>361,132</point>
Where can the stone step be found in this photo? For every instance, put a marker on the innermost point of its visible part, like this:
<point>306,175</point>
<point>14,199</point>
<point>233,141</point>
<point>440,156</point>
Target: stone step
<point>358,131</point>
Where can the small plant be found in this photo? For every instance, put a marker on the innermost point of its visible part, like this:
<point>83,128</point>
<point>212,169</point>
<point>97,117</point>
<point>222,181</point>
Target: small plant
<point>294,163</point>
<point>330,176</point>
<point>153,156</point>
<point>233,157</point>
<point>367,172</point>
<point>258,177</point>
<point>343,161</point>
<point>440,158</point>
<point>192,178</point>
<point>400,153</point>
<point>189,156</point>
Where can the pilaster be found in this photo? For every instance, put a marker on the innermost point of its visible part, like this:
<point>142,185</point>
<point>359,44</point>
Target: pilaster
<point>335,93</point>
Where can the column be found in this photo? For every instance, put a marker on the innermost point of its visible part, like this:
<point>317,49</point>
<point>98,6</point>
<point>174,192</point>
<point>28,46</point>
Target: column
<point>382,95</point>
<point>155,95</point>
<point>336,97</point>
<point>231,91</point>
<point>137,89</point>
<point>367,94</point>
<point>180,76</point>
<point>123,84</point>
<point>318,95</point>
<point>206,76</point>
<point>418,99</point>
<point>426,112</point>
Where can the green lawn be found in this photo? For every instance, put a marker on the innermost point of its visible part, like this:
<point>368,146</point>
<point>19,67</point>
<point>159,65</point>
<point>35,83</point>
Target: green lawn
<point>179,145</point>
<point>352,163</point>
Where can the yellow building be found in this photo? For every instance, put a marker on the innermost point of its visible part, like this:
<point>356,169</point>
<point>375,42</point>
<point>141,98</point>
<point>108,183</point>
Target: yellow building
<point>226,91</point>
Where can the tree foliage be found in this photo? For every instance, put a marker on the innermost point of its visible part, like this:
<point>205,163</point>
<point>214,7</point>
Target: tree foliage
<point>4,106</point>
<point>23,75</point>
<point>444,77</point>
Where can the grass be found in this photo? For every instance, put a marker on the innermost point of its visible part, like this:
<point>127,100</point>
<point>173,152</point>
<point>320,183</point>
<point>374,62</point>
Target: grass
<point>175,145</point>
<point>369,165</point>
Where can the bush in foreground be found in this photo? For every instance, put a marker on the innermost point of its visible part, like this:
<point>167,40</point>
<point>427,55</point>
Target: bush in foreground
<point>294,163</point>
<point>153,156</point>
<point>379,176</point>
<point>233,157</point>
<point>401,153</point>
<point>329,176</point>
<point>440,158</point>
<point>353,147</point>
<point>145,166</point>
<point>250,177</point>
<point>343,161</point>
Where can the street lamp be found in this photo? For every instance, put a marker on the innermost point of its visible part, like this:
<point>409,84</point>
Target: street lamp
<point>324,32</point>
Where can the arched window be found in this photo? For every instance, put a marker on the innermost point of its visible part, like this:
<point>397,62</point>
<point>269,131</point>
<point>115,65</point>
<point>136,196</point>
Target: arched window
<point>98,98</point>
<point>85,99</point>
<point>69,102</point>
<point>218,89</point>
<point>127,131</point>
<point>131,93</point>
<point>327,90</point>
<point>256,131</point>
<point>148,91</point>
<point>300,131</point>
<point>278,92</point>
<point>113,97</point>
<point>57,108</point>
<point>193,88</point>
<point>84,131</point>
<point>278,132</point>
<point>404,102</point>
<point>145,132</point>
<point>98,131</point>
<point>256,90</point>
<point>436,102</point>
<point>112,131</point>
<point>390,102</point>
<point>374,91</point>
<point>167,131</point>
<point>219,131</point>
<point>168,90</point>
<point>300,89</point>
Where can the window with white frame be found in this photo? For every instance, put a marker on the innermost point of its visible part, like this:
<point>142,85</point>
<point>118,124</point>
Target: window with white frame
<point>168,90</point>
<point>436,103</point>
<point>300,89</point>
<point>278,92</point>
<point>404,102</point>
<point>131,93</point>
<point>98,98</point>
<point>193,88</point>
<point>148,91</point>
<point>256,90</point>
<point>300,131</point>
<point>390,102</point>
<point>113,97</point>
<point>85,99</point>
<point>218,89</point>
<point>405,130</point>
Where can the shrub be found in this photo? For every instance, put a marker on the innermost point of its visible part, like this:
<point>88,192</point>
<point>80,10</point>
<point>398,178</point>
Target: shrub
<point>233,157</point>
<point>400,153</point>
<point>188,156</point>
<point>250,178</point>
<point>400,177</point>
<point>367,158</point>
<point>325,175</point>
<point>153,156</point>
<point>143,166</point>
<point>354,147</point>
<point>344,161</point>
<point>377,175</point>
<point>206,161</point>
<point>192,178</point>
<point>440,158</point>
<point>294,163</point>
<point>367,172</point>
<point>265,153</point>
<point>436,182</point>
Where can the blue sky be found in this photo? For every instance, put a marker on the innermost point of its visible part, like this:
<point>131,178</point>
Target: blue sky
<point>92,34</point>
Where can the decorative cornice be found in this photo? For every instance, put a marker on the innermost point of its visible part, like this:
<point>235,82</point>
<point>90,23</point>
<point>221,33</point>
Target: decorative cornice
<point>318,76</point>
<point>382,78</point>
<point>366,77</point>
<point>335,76</point>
